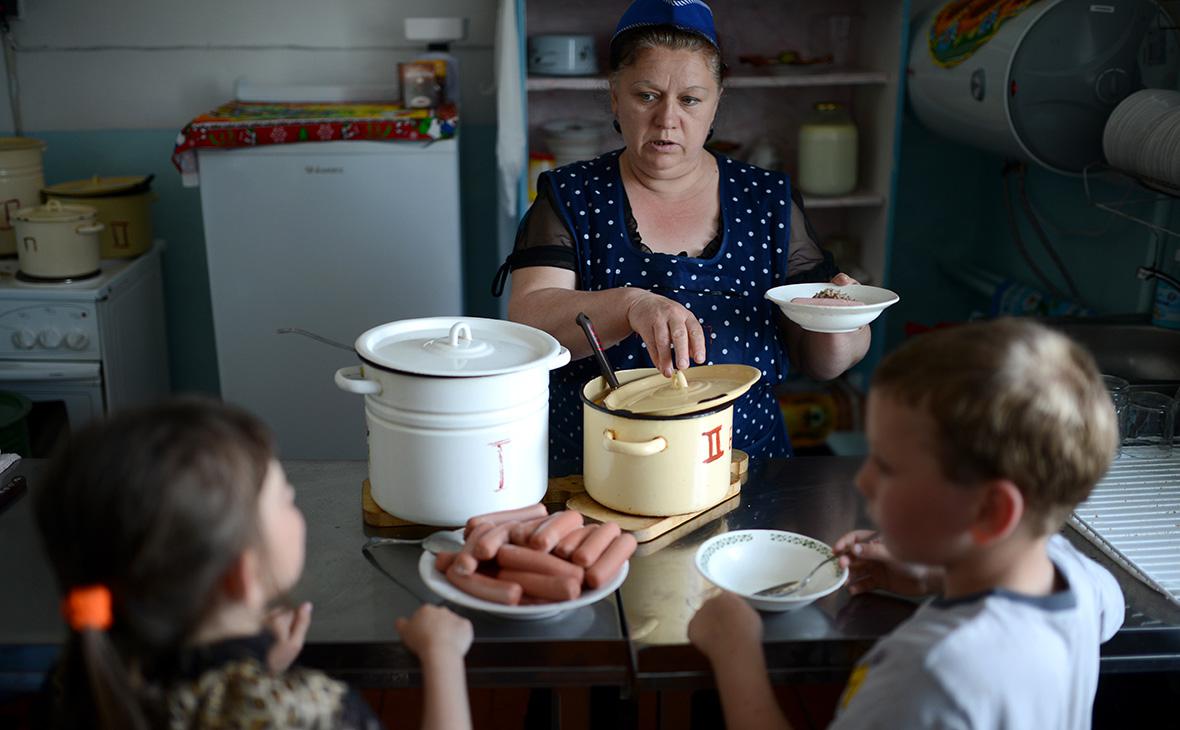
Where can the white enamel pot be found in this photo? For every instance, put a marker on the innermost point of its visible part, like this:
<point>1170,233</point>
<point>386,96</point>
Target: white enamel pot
<point>654,465</point>
<point>55,241</point>
<point>458,415</point>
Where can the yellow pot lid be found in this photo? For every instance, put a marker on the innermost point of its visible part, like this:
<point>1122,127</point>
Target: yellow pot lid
<point>13,144</point>
<point>97,186</point>
<point>700,388</point>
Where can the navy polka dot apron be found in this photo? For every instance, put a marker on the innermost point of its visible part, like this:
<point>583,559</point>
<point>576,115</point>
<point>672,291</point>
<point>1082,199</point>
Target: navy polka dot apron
<point>725,292</point>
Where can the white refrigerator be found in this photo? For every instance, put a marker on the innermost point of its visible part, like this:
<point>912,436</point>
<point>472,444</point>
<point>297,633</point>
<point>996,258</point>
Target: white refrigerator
<point>330,237</point>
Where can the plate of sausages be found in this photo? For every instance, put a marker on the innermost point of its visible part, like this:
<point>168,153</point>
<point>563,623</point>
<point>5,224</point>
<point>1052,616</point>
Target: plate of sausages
<point>528,564</point>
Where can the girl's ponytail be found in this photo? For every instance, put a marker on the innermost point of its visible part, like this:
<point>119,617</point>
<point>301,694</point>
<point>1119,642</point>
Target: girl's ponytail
<point>103,677</point>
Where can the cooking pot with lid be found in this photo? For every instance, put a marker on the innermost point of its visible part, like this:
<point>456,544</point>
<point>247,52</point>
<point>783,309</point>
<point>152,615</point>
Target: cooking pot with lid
<point>458,415</point>
<point>124,208</point>
<point>55,241</point>
<point>664,447</point>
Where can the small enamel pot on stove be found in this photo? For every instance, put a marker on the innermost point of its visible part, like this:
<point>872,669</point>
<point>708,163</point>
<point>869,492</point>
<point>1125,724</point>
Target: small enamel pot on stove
<point>55,241</point>
<point>661,446</point>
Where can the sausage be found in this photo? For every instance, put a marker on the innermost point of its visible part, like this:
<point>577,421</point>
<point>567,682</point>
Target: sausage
<point>520,532</point>
<point>466,562</point>
<point>549,587</point>
<point>488,543</point>
<point>514,557</point>
<point>570,542</point>
<point>443,560</point>
<point>557,526</point>
<point>489,589</point>
<point>531,512</point>
<point>607,566</point>
<point>591,548</point>
<point>463,564</point>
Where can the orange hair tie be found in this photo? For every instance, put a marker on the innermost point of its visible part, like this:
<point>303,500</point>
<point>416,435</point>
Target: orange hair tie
<point>88,607</point>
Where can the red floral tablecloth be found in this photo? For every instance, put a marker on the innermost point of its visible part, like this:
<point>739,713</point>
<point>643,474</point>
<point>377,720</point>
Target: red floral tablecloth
<point>249,124</point>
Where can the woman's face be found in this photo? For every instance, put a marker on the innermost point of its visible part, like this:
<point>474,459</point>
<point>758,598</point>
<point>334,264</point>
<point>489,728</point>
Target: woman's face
<point>665,103</point>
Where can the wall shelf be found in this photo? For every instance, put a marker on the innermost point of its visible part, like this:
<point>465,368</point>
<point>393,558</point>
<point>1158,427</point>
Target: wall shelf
<point>737,81</point>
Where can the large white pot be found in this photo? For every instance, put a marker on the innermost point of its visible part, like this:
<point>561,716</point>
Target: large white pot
<point>21,179</point>
<point>654,465</point>
<point>458,415</point>
<point>55,241</point>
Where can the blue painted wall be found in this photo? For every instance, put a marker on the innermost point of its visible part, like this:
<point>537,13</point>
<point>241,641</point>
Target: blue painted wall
<point>177,220</point>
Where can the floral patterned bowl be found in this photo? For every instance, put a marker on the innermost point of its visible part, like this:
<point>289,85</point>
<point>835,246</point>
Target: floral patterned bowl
<point>747,561</point>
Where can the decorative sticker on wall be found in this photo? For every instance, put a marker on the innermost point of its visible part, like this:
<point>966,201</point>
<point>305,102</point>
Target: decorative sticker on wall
<point>963,26</point>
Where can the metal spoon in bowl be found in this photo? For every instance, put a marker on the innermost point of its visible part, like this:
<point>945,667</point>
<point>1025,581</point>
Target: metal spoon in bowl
<point>792,587</point>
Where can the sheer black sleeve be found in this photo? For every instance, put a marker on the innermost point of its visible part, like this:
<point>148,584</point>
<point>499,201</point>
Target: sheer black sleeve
<point>542,239</point>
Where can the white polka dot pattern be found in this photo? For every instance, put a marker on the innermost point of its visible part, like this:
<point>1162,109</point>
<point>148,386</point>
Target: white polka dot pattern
<point>730,299</point>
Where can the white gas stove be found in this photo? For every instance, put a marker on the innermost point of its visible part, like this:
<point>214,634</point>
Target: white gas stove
<point>82,348</point>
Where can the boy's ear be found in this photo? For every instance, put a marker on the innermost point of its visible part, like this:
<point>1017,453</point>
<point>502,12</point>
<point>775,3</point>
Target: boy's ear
<point>998,513</point>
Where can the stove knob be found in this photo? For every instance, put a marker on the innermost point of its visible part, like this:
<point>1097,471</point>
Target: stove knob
<point>24,340</point>
<point>77,340</point>
<point>50,338</point>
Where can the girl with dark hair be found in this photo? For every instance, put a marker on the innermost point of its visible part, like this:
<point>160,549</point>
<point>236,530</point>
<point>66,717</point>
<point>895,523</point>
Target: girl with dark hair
<point>173,532</point>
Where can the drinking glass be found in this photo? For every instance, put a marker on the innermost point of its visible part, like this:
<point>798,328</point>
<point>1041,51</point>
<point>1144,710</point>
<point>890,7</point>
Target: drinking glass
<point>1149,423</point>
<point>1119,389</point>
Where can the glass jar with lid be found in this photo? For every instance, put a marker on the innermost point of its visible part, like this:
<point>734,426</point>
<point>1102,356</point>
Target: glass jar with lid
<point>827,151</point>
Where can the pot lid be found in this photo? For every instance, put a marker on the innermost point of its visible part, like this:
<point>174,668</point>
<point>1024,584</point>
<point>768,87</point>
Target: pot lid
<point>14,144</point>
<point>96,186</point>
<point>456,346</point>
<point>55,212</point>
<point>698,388</point>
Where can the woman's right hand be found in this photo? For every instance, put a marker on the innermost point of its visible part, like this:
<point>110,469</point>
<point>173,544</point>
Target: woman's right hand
<point>872,567</point>
<point>671,332</point>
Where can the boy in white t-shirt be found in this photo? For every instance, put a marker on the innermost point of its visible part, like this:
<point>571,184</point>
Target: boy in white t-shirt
<point>982,439</point>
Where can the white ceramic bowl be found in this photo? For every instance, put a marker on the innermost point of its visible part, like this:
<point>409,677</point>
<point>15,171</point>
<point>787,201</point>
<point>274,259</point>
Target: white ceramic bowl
<point>438,583</point>
<point>828,318</point>
<point>747,561</point>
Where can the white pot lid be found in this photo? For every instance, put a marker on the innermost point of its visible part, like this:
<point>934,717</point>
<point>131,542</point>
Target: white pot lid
<point>456,346</point>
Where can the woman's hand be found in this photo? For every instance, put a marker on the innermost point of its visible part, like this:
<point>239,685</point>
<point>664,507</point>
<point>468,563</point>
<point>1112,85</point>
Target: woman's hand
<point>823,356</point>
<point>434,631</point>
<point>671,332</point>
<point>725,626</point>
<point>872,567</point>
<point>289,626</point>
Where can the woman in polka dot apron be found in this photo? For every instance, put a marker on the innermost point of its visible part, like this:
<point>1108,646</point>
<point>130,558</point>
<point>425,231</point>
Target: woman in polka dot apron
<point>668,247</point>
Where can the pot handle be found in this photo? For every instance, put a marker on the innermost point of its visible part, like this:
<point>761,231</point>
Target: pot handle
<point>633,448</point>
<point>93,228</point>
<point>351,380</point>
<point>561,359</point>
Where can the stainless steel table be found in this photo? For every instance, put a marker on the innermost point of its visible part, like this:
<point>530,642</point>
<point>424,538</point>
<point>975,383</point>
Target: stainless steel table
<point>642,646</point>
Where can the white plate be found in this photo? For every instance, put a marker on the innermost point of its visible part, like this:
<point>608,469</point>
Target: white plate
<point>438,583</point>
<point>827,318</point>
<point>747,561</point>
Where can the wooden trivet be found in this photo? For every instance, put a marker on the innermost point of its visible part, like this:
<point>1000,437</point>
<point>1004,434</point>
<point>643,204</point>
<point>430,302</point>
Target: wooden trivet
<point>569,492</point>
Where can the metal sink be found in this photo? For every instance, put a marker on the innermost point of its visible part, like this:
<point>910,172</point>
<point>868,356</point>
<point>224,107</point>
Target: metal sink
<point>1130,348</point>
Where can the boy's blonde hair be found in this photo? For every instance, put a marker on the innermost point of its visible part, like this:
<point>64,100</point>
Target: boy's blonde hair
<point>1014,400</point>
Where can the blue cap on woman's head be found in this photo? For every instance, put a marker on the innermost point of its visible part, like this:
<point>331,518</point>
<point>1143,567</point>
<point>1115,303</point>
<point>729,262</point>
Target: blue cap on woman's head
<point>693,16</point>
